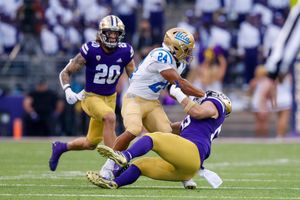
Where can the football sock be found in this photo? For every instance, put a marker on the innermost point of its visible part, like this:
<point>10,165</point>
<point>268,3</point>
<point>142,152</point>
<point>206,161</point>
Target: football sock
<point>139,148</point>
<point>129,176</point>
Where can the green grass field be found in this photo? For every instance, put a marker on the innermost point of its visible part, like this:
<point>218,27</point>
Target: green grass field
<point>250,170</point>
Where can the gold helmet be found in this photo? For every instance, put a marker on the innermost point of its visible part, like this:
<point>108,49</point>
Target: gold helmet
<point>181,43</point>
<point>107,25</point>
<point>223,98</point>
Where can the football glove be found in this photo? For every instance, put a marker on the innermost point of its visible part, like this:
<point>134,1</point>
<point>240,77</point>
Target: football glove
<point>71,96</point>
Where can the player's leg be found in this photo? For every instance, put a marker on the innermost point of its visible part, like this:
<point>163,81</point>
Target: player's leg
<point>132,112</point>
<point>185,157</point>
<point>157,120</point>
<point>97,109</point>
<point>282,122</point>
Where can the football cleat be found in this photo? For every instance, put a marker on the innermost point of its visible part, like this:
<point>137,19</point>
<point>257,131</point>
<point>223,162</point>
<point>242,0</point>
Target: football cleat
<point>116,156</point>
<point>58,148</point>
<point>96,179</point>
<point>189,184</point>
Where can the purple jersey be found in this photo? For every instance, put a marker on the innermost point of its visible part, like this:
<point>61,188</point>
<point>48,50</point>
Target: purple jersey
<point>202,131</point>
<point>103,70</point>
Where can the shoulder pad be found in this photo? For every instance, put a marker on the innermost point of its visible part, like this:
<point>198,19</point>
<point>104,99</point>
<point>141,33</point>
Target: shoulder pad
<point>86,48</point>
<point>161,55</point>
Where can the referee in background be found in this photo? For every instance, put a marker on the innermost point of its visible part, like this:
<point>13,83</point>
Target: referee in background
<point>284,51</point>
<point>283,55</point>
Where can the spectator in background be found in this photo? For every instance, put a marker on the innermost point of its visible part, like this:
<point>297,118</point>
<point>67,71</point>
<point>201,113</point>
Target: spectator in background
<point>281,6</point>
<point>206,8</point>
<point>90,31</point>
<point>126,11</point>
<point>49,40</point>
<point>284,104</point>
<point>238,10</point>
<point>259,103</point>
<point>272,32</point>
<point>154,11</point>
<point>249,41</point>
<point>188,21</point>
<point>262,107</point>
<point>144,40</point>
<point>262,8</point>
<point>8,33</point>
<point>219,35</point>
<point>210,74</point>
<point>42,110</point>
<point>31,18</point>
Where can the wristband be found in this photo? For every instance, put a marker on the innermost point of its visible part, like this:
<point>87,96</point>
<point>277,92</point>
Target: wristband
<point>180,96</point>
<point>66,86</point>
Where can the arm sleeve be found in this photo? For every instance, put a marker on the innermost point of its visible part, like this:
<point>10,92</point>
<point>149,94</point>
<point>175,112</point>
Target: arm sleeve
<point>286,46</point>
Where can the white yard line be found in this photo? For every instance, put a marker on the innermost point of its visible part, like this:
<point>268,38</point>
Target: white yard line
<point>151,186</point>
<point>147,196</point>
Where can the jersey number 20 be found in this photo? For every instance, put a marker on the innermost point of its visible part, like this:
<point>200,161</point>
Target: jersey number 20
<point>107,74</point>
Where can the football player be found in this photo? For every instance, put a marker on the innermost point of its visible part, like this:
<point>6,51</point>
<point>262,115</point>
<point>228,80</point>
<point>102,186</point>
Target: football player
<point>141,106</point>
<point>180,156</point>
<point>104,59</point>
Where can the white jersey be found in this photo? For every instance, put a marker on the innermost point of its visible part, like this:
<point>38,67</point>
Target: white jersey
<point>146,81</point>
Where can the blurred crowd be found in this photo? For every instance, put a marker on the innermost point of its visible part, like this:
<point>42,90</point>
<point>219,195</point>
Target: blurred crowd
<point>233,37</point>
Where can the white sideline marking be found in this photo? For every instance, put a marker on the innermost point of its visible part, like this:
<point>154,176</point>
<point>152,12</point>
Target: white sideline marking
<point>145,196</point>
<point>152,186</point>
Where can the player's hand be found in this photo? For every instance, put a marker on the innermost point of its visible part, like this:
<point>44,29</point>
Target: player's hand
<point>71,96</point>
<point>176,92</point>
<point>81,95</point>
<point>271,87</point>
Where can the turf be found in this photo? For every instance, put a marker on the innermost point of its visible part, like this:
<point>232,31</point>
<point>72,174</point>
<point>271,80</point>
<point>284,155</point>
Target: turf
<point>249,171</point>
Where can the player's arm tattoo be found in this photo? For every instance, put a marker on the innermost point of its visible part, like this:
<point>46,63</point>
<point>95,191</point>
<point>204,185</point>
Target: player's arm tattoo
<point>74,65</point>
<point>130,67</point>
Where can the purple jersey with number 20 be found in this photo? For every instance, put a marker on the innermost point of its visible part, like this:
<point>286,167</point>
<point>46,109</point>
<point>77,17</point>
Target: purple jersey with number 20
<point>103,70</point>
<point>202,131</point>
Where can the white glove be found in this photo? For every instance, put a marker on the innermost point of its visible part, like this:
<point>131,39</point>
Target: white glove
<point>177,93</point>
<point>71,96</point>
<point>81,95</point>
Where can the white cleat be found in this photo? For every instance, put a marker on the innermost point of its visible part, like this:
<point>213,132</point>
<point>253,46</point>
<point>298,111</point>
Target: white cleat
<point>189,184</point>
<point>106,170</point>
<point>211,177</point>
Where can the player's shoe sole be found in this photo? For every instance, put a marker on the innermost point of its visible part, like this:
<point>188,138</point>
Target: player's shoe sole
<point>189,184</point>
<point>96,179</point>
<point>116,156</point>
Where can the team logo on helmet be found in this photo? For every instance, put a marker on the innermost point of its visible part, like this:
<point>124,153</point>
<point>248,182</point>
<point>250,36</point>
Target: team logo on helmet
<point>182,37</point>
